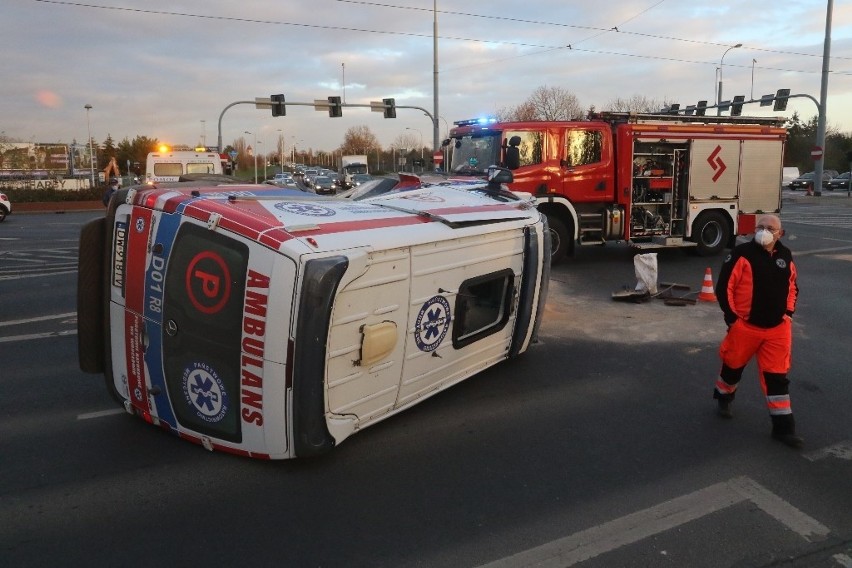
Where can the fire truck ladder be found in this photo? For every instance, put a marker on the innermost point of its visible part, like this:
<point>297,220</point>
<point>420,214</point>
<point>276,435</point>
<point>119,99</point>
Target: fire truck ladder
<point>639,118</point>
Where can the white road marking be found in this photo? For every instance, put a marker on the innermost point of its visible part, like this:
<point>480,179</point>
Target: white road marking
<point>100,414</point>
<point>819,251</point>
<point>771,504</point>
<point>840,450</point>
<point>632,528</point>
<point>38,318</point>
<point>48,272</point>
<point>843,560</point>
<point>13,338</point>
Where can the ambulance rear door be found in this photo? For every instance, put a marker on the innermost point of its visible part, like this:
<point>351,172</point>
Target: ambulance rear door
<point>200,320</point>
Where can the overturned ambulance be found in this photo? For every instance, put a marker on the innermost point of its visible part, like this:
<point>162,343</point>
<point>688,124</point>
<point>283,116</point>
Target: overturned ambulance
<point>274,323</point>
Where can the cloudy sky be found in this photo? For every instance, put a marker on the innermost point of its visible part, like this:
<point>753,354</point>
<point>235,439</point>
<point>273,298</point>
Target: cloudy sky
<point>167,70</point>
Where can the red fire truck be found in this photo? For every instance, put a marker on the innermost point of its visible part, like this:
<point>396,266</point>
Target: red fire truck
<point>651,180</point>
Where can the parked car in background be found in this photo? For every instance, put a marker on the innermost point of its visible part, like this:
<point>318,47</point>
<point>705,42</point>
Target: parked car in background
<point>284,178</point>
<point>358,179</point>
<point>805,181</point>
<point>309,175</point>
<point>840,181</point>
<point>323,185</point>
<point>5,206</point>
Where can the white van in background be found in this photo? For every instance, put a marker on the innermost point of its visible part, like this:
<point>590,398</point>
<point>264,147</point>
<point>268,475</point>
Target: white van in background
<point>788,175</point>
<point>169,166</point>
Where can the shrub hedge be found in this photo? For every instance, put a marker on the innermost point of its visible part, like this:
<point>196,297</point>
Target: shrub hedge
<point>48,195</point>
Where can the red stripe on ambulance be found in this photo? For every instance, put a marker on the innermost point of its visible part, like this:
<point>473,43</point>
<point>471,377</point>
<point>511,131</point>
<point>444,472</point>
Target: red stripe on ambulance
<point>134,327</point>
<point>137,256</point>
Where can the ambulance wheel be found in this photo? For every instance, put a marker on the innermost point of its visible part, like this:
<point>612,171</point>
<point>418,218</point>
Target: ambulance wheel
<point>559,239</point>
<point>711,233</point>
<point>3,213</point>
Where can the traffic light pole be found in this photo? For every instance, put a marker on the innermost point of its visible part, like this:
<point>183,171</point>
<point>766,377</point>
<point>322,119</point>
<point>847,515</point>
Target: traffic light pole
<point>725,105</point>
<point>320,105</point>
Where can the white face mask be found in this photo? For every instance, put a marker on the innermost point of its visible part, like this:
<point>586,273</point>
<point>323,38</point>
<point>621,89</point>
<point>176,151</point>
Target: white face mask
<point>763,237</point>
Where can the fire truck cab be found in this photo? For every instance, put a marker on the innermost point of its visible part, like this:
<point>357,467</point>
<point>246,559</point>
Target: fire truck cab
<point>652,180</point>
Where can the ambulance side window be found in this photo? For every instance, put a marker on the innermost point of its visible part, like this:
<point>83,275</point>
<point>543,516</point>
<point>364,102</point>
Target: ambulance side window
<point>482,307</point>
<point>531,148</point>
<point>582,147</point>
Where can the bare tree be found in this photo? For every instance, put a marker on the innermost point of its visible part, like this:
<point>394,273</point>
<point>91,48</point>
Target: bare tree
<point>407,141</point>
<point>637,103</point>
<point>522,112</point>
<point>545,103</point>
<point>359,140</point>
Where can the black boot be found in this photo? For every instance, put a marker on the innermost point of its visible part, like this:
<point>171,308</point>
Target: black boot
<point>784,430</point>
<point>724,401</point>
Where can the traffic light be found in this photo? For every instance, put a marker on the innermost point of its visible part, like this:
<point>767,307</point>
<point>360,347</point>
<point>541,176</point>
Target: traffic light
<point>781,99</point>
<point>278,107</point>
<point>334,107</point>
<point>737,106</point>
<point>390,108</point>
<point>701,108</point>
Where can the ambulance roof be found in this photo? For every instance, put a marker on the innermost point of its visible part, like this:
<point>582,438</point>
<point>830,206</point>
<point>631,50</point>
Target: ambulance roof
<point>273,215</point>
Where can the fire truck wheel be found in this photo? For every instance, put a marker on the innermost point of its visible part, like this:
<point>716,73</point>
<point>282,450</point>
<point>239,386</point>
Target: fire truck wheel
<point>559,239</point>
<point>711,232</point>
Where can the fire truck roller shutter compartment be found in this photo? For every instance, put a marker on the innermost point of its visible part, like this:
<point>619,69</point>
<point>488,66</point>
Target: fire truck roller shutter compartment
<point>761,173</point>
<point>714,169</point>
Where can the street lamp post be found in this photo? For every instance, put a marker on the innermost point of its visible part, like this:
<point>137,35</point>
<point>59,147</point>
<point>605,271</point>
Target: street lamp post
<point>91,147</point>
<point>255,156</point>
<point>721,63</point>
<point>204,133</point>
<point>281,150</point>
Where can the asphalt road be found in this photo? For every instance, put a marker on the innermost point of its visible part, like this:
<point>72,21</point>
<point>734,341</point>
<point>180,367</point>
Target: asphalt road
<point>599,447</point>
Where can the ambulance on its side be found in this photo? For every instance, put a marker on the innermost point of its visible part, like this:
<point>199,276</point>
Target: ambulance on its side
<point>273,323</point>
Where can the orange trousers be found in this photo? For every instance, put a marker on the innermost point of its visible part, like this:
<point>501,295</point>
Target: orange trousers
<point>772,347</point>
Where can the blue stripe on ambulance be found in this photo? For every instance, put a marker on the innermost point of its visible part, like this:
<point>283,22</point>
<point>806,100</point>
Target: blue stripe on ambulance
<point>166,230</point>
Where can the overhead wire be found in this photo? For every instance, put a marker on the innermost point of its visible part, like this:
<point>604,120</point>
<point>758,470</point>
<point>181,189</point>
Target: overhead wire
<point>579,27</point>
<point>543,48</point>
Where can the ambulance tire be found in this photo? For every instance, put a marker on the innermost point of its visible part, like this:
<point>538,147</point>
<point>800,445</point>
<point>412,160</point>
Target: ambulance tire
<point>711,233</point>
<point>559,239</point>
<point>90,309</point>
<point>3,213</point>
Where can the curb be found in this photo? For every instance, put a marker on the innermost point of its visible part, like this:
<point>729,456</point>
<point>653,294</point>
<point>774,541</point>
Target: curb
<point>57,207</point>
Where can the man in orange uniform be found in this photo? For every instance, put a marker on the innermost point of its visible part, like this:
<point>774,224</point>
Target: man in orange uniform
<point>757,292</point>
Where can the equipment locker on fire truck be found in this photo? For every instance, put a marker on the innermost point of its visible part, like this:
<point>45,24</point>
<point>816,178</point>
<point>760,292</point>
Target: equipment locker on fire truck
<point>652,180</point>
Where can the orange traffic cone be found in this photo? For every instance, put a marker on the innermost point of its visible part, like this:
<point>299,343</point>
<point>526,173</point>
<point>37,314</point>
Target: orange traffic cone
<point>707,294</point>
